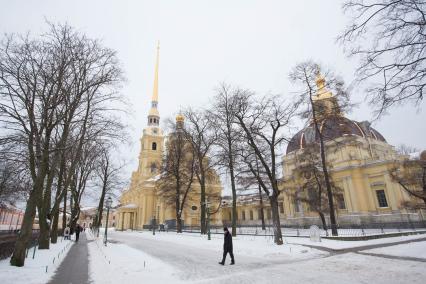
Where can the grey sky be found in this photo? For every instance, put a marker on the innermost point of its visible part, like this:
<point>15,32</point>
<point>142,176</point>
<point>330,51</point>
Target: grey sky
<point>252,44</point>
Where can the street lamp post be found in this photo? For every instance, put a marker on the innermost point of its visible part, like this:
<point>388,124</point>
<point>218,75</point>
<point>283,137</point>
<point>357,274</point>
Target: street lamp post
<point>208,220</point>
<point>108,204</point>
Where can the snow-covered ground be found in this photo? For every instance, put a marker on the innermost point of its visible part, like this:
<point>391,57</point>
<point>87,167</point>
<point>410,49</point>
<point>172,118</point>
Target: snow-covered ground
<point>417,249</point>
<point>37,270</point>
<point>192,258</point>
<point>337,244</point>
<point>119,263</point>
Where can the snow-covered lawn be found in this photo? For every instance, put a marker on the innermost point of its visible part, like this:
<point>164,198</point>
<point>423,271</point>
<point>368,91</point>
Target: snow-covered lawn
<point>337,244</point>
<point>119,263</point>
<point>417,249</point>
<point>256,246</point>
<point>34,270</point>
<point>192,258</point>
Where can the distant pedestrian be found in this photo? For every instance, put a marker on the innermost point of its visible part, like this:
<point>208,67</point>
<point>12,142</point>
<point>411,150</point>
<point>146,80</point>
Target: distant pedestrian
<point>77,232</point>
<point>227,247</point>
<point>67,233</point>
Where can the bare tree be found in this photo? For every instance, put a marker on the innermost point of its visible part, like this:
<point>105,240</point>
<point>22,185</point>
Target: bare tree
<point>312,183</point>
<point>178,171</point>
<point>202,136</point>
<point>223,116</point>
<point>265,124</point>
<point>108,178</point>
<point>389,37</point>
<point>43,83</point>
<point>320,97</point>
<point>410,174</point>
<point>14,183</point>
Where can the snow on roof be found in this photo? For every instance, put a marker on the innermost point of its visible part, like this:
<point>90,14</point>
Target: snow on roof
<point>154,178</point>
<point>129,206</point>
<point>88,208</point>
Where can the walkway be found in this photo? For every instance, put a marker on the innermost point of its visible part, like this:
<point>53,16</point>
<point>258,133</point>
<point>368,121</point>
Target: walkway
<point>74,269</point>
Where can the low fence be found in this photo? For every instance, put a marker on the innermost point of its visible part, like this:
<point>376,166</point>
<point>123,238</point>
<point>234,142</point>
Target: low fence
<point>347,230</point>
<point>8,239</point>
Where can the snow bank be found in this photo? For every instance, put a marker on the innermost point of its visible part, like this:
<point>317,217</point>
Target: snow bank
<point>119,263</point>
<point>34,270</point>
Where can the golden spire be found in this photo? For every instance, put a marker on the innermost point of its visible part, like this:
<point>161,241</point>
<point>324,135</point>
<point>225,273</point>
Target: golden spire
<point>320,81</point>
<point>155,91</point>
<point>322,92</point>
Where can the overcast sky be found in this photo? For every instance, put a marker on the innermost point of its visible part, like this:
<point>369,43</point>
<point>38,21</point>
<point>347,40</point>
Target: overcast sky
<point>251,44</point>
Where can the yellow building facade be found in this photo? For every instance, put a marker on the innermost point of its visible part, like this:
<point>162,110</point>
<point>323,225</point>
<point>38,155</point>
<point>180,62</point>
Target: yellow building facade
<point>359,160</point>
<point>142,202</point>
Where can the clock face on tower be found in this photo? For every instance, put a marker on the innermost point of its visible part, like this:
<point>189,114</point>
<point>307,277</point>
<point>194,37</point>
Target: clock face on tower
<point>155,131</point>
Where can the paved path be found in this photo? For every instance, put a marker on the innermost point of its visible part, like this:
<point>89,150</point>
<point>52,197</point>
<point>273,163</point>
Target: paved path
<point>74,269</point>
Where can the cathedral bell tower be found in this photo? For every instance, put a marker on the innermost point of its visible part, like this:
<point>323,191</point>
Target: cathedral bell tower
<point>153,139</point>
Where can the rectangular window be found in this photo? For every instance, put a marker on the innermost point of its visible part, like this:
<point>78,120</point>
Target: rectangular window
<point>381,198</point>
<point>244,215</point>
<point>281,207</point>
<point>251,215</point>
<point>340,201</point>
<point>269,214</point>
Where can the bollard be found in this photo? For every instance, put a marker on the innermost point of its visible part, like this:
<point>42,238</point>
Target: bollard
<point>34,251</point>
<point>53,260</point>
<point>46,268</point>
<point>144,264</point>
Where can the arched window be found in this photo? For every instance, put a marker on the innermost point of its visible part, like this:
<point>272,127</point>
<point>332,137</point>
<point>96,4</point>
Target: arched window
<point>154,146</point>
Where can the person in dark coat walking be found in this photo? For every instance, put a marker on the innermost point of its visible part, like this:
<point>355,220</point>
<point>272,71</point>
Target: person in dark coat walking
<point>227,247</point>
<point>77,232</point>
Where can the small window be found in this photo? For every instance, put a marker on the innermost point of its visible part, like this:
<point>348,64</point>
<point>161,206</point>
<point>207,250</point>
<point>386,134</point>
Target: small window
<point>154,146</point>
<point>269,214</point>
<point>340,201</point>
<point>150,120</point>
<point>251,215</point>
<point>381,198</point>
<point>244,215</point>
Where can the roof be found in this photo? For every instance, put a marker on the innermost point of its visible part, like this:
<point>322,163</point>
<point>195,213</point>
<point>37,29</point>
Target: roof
<point>333,127</point>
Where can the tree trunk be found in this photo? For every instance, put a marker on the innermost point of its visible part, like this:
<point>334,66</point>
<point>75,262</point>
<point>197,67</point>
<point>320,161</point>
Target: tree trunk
<point>278,238</point>
<point>262,214</point>
<point>18,257</point>
<point>325,171</point>
<point>203,205</point>
<point>179,224</point>
<point>324,223</point>
<point>64,212</point>
<point>55,223</point>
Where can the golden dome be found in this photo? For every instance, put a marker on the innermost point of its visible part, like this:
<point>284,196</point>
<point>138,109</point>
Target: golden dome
<point>180,118</point>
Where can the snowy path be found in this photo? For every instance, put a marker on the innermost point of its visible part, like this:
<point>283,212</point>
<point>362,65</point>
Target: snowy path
<point>74,268</point>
